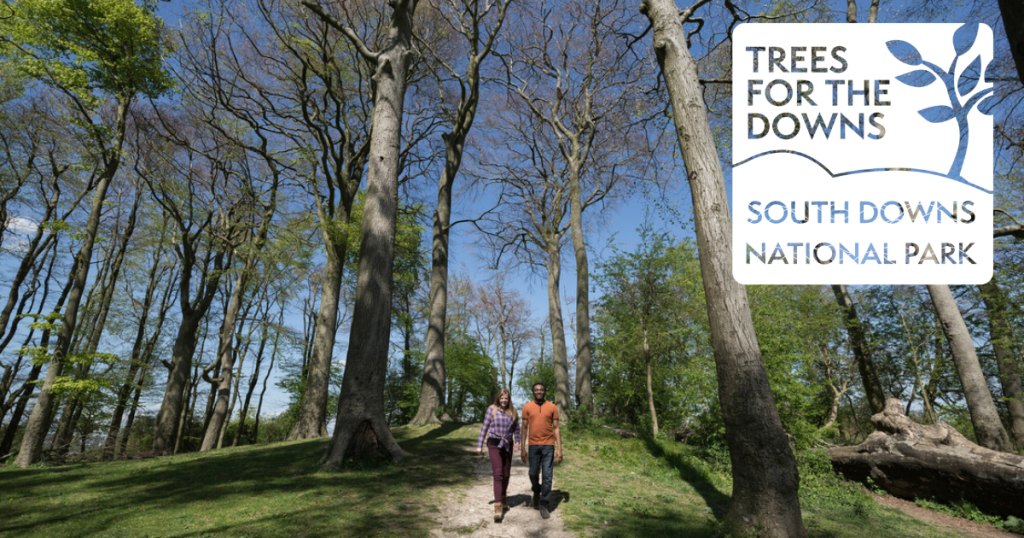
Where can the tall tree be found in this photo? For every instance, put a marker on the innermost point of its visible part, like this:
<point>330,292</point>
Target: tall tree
<point>86,48</point>
<point>856,330</point>
<point>312,89</point>
<point>478,25</point>
<point>583,83</point>
<point>1001,331</point>
<point>987,425</point>
<point>361,427</point>
<point>765,478</point>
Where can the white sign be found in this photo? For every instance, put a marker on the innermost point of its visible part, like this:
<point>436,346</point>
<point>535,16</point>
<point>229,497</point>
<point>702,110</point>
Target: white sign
<point>862,154</point>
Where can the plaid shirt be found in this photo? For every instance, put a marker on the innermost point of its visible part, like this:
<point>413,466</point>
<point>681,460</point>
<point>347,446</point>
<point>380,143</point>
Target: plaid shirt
<point>498,425</point>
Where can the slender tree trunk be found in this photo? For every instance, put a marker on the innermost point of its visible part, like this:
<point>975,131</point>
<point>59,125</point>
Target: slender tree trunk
<point>226,356</point>
<point>861,351</point>
<point>253,379</point>
<point>39,422</point>
<point>270,370</point>
<point>584,387</point>
<point>117,416</point>
<point>360,428</point>
<point>559,357</point>
<point>312,419</point>
<point>765,479</point>
<point>131,413</point>
<point>432,391</point>
<point>650,385</point>
<point>984,416</point>
<point>1002,344</point>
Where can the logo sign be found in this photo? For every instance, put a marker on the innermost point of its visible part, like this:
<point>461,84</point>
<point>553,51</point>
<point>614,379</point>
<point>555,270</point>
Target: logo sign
<point>862,154</point>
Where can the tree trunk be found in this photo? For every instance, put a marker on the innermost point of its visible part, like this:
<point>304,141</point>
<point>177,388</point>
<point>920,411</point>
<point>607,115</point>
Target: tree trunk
<point>312,419</point>
<point>360,428</point>
<point>192,315</point>
<point>984,416</point>
<point>226,356</point>
<point>131,413</point>
<point>177,379</point>
<point>39,422</point>
<point>861,351</point>
<point>253,379</point>
<point>765,479</point>
<point>270,370</point>
<point>650,385</point>
<point>1006,359</point>
<point>559,357</point>
<point>1013,21</point>
<point>584,387</point>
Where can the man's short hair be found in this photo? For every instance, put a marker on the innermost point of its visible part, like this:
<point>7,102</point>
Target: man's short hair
<point>541,384</point>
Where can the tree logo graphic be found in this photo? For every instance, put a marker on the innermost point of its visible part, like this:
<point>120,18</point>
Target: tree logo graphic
<point>961,102</point>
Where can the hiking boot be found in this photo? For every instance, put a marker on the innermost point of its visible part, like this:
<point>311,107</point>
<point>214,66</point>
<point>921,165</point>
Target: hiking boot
<point>544,513</point>
<point>536,500</point>
<point>504,502</point>
<point>498,513</point>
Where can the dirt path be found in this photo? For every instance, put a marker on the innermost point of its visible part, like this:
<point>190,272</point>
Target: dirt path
<point>961,526</point>
<point>469,512</point>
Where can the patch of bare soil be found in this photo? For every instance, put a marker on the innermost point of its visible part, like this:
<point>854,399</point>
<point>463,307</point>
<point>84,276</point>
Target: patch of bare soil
<point>960,525</point>
<point>469,512</point>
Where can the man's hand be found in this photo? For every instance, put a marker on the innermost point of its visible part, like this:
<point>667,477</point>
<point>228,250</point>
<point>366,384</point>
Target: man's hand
<point>558,455</point>
<point>522,454</point>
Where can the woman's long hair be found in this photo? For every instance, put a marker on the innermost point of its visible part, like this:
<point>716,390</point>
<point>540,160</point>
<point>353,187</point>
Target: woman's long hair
<point>511,411</point>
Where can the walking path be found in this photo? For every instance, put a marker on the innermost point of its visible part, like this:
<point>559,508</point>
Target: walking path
<point>470,512</point>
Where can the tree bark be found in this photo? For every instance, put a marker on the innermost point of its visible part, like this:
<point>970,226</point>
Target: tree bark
<point>1006,360</point>
<point>650,385</point>
<point>765,479</point>
<point>984,417</point>
<point>584,360</point>
<point>312,419</point>
<point>360,427</point>
<point>559,356</point>
<point>861,351</point>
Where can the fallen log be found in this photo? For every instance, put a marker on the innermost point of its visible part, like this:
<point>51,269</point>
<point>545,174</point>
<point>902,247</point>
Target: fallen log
<point>933,461</point>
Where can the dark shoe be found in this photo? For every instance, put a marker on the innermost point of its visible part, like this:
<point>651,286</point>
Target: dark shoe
<point>536,500</point>
<point>544,514</point>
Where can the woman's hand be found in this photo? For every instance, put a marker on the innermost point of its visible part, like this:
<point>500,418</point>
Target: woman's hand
<point>479,452</point>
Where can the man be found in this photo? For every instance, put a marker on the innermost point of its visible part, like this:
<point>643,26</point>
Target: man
<point>542,441</point>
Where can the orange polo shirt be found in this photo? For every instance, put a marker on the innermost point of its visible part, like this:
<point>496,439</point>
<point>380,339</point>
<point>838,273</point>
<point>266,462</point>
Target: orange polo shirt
<point>541,419</point>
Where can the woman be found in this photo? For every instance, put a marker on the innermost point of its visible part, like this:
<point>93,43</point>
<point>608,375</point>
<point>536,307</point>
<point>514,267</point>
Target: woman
<point>501,426</point>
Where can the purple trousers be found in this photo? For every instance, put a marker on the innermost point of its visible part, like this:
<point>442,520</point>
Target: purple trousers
<point>501,465</point>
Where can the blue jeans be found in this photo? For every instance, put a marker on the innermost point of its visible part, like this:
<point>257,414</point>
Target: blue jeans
<point>541,457</point>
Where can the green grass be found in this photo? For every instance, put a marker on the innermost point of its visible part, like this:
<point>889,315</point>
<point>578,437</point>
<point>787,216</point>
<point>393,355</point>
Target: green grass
<point>632,488</point>
<point>257,491</point>
<point>607,487</point>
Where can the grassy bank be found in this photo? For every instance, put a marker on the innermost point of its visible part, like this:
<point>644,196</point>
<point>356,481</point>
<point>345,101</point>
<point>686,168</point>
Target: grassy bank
<point>608,487</point>
<point>632,488</point>
<point>264,490</point>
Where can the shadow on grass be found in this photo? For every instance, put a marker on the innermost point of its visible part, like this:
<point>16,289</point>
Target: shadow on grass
<point>270,490</point>
<point>716,500</point>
